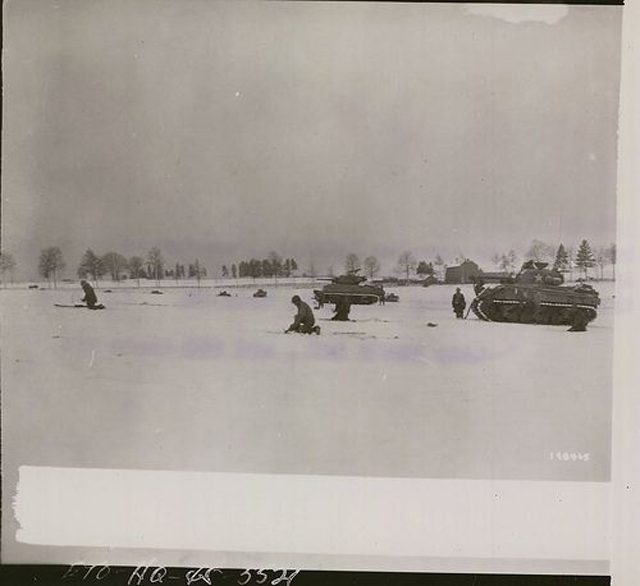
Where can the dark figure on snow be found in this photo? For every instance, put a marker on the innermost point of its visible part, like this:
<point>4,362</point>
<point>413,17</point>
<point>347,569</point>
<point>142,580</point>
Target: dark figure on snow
<point>304,322</point>
<point>89,296</point>
<point>579,321</point>
<point>458,303</point>
<point>342,309</point>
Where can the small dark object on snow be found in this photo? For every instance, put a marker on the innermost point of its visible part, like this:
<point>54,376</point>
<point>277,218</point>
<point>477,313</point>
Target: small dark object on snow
<point>392,298</point>
<point>304,322</point>
<point>432,325</point>
<point>260,293</point>
<point>33,286</point>
<point>156,292</point>
<point>224,294</point>
<point>107,291</point>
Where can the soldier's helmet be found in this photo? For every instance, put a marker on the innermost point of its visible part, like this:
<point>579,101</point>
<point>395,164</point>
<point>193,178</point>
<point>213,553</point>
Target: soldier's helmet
<point>295,300</point>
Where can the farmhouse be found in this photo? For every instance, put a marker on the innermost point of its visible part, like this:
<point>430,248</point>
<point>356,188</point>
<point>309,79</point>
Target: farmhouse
<point>462,273</point>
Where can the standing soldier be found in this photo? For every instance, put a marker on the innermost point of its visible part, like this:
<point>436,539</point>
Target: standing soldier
<point>458,303</point>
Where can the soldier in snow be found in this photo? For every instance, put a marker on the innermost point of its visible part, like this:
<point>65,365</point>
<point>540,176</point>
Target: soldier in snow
<point>304,322</point>
<point>89,296</point>
<point>458,302</point>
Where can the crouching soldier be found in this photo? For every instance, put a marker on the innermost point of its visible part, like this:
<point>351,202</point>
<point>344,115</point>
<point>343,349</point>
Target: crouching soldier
<point>304,322</point>
<point>458,303</point>
<point>90,296</point>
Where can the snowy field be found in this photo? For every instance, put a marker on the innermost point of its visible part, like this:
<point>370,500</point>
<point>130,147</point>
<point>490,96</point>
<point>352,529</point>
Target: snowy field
<point>191,381</point>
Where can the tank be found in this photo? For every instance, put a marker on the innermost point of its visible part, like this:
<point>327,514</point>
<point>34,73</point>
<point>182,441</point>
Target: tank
<point>351,288</point>
<point>536,295</point>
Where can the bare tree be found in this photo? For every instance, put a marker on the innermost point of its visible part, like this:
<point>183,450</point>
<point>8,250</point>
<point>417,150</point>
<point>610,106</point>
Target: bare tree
<point>601,258</point>
<point>439,263</point>
<point>275,262</point>
<point>352,263</point>
<point>496,259</point>
<point>406,264</point>
<point>508,261</point>
<point>7,265</point>
<point>541,251</point>
<point>115,264</point>
<point>612,253</point>
<point>156,264</point>
<point>571,256</point>
<point>312,269</point>
<point>91,265</point>
<point>51,263</point>
<point>135,267</point>
<point>371,266</point>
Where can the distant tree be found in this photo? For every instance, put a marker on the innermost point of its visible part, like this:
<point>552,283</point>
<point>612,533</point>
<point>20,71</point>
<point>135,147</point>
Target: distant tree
<point>267,269</point>
<point>234,271</point>
<point>571,257</point>
<point>496,259</point>
<point>540,251</point>
<point>424,268</point>
<point>91,266</point>
<point>406,264</point>
<point>561,262</point>
<point>439,263</point>
<point>7,265</point>
<point>155,262</point>
<point>584,257</point>
<point>294,265</point>
<point>198,271</point>
<point>371,266</point>
<point>613,254</point>
<point>51,263</point>
<point>351,263</point>
<point>275,262</point>
<point>115,264</point>
<point>508,261</point>
<point>311,270</point>
<point>136,271</point>
<point>601,258</point>
<point>225,271</point>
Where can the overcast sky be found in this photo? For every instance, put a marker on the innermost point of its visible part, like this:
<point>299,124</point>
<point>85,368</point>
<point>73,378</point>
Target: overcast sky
<point>223,130</point>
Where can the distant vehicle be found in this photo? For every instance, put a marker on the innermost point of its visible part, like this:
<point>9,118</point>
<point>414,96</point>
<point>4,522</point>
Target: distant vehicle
<point>156,292</point>
<point>392,298</point>
<point>350,288</point>
<point>536,295</point>
<point>33,287</point>
<point>260,293</point>
<point>224,294</point>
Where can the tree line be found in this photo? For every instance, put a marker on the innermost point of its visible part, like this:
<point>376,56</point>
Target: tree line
<point>51,263</point>
<point>95,266</point>
<point>272,266</point>
<point>583,257</point>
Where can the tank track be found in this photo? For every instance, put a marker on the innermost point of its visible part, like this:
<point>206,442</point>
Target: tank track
<point>489,308</point>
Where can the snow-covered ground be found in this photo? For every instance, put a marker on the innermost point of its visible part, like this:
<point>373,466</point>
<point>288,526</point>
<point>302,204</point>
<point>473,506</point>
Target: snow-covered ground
<point>191,381</point>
